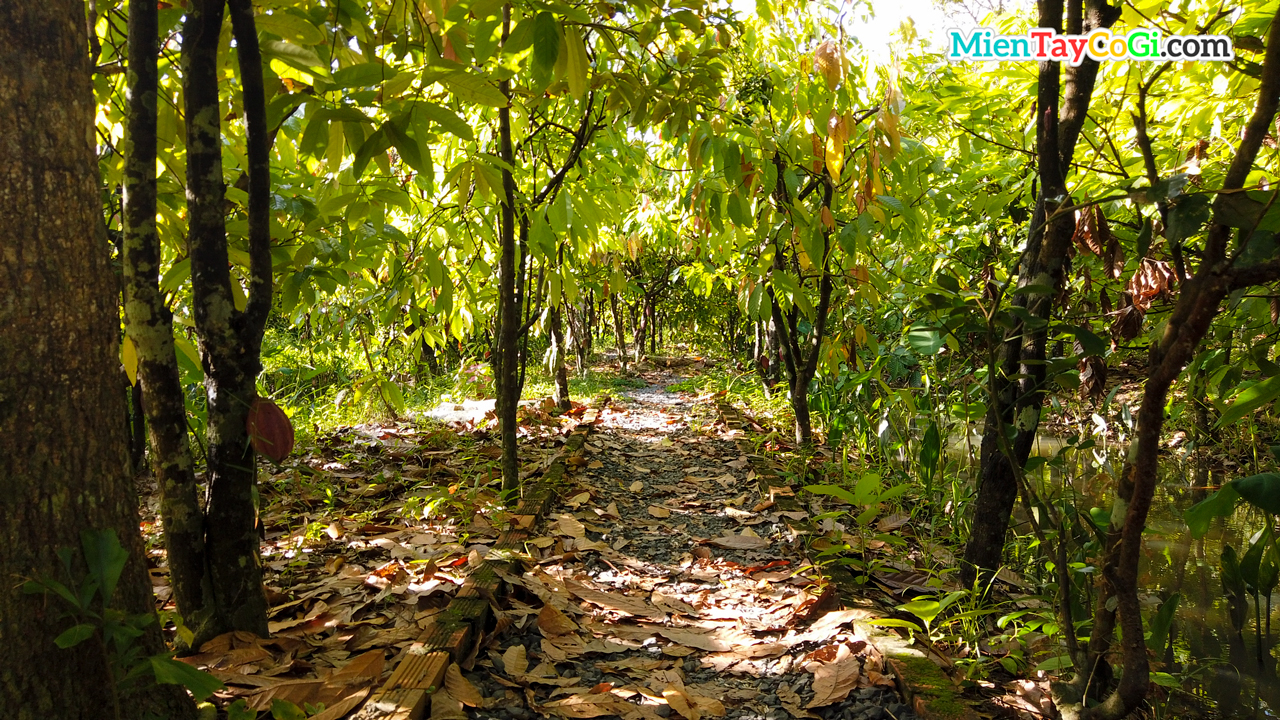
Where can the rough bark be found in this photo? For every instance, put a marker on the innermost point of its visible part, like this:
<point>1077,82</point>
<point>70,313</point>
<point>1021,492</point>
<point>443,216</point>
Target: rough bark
<point>149,324</point>
<point>230,339</point>
<point>63,434</point>
<point>506,359</point>
<point>1017,380</point>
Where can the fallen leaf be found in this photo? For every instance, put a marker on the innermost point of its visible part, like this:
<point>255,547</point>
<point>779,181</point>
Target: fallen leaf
<point>636,486</point>
<point>570,527</point>
<point>515,660</point>
<point>740,542</point>
<point>615,601</point>
<point>553,623</point>
<point>460,688</point>
<point>446,707</point>
<point>833,681</point>
<point>680,702</point>
<point>659,511</point>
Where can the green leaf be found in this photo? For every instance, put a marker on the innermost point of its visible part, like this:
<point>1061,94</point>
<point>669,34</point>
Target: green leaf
<point>376,143</point>
<point>105,558</point>
<point>363,75</point>
<point>296,56</point>
<point>240,710</point>
<point>172,672</point>
<point>893,622</point>
<point>290,27</point>
<point>471,88</point>
<point>579,64</point>
<point>392,393</point>
<point>445,118</point>
<point>1090,341</point>
<point>1219,504</point>
<point>834,491</point>
<point>1251,399</point>
<point>1186,216</point>
<point>406,146</point>
<point>925,339</point>
<point>74,635</point>
<point>1262,491</point>
<point>926,610</point>
<point>285,710</point>
<point>546,42</point>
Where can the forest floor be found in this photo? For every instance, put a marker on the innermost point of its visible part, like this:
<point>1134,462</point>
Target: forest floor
<point>661,583</point>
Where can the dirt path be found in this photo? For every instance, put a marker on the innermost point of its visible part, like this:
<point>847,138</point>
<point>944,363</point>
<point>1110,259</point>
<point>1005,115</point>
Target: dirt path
<point>663,585</point>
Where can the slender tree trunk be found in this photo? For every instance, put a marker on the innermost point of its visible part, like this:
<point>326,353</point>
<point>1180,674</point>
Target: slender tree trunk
<point>1201,297</point>
<point>619,331</point>
<point>63,436</point>
<point>230,339</point>
<point>559,374</point>
<point>1017,379</point>
<point>639,318</point>
<point>507,357</point>
<point>137,429</point>
<point>148,322</point>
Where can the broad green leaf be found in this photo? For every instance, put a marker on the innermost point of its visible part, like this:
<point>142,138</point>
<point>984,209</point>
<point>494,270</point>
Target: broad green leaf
<point>546,42</point>
<point>1254,397</point>
<point>445,118</point>
<point>835,491</point>
<point>1220,504</point>
<point>304,59</point>
<point>376,143</point>
<point>290,27</point>
<point>105,558</point>
<point>925,339</point>
<point>926,610</point>
<point>472,88</point>
<point>1262,491</point>
<point>173,672</point>
<point>579,65</point>
<point>363,75</point>
<point>74,635</point>
<point>391,392</point>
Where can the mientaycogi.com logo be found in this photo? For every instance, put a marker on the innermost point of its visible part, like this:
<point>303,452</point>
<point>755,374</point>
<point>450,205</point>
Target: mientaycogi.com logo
<point>1045,44</point>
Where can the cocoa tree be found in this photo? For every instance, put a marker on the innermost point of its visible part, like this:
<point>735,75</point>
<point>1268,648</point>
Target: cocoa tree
<point>63,437</point>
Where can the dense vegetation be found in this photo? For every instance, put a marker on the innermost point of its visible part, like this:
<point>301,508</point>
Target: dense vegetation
<point>364,208</point>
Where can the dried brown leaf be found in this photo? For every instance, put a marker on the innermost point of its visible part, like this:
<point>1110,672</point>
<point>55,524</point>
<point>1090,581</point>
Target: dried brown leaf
<point>461,688</point>
<point>554,623</point>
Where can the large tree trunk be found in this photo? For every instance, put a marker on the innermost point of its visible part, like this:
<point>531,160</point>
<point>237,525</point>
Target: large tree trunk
<point>1018,375</point>
<point>63,438</point>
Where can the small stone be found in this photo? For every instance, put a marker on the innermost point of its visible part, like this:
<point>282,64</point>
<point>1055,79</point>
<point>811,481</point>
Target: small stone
<point>663,710</point>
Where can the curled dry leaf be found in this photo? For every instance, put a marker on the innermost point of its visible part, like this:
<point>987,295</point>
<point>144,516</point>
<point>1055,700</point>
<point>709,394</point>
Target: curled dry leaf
<point>681,703</point>
<point>461,688</point>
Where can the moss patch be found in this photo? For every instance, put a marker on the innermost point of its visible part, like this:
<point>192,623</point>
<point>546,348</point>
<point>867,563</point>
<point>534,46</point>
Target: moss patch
<point>932,688</point>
